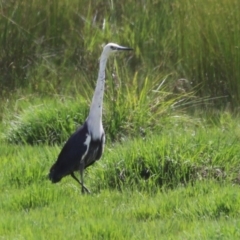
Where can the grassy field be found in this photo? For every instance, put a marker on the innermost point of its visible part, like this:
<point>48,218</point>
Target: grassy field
<point>171,166</point>
<point>186,189</point>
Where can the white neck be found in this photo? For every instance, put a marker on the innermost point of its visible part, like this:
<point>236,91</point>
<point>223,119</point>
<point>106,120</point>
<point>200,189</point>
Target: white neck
<point>95,115</point>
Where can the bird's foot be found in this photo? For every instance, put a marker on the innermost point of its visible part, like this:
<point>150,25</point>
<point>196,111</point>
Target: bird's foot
<point>84,189</point>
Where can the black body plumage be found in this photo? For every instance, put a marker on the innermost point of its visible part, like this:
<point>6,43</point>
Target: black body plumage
<point>74,151</point>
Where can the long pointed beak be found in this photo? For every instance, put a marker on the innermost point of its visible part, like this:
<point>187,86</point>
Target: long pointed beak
<point>121,48</point>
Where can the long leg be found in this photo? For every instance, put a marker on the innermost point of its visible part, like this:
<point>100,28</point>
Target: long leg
<point>81,169</point>
<point>74,177</point>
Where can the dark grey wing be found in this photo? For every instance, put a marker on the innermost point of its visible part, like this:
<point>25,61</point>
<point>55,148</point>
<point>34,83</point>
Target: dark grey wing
<point>70,155</point>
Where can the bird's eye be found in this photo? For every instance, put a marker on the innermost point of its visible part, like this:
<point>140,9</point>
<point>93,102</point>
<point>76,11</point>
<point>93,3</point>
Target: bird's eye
<point>113,48</point>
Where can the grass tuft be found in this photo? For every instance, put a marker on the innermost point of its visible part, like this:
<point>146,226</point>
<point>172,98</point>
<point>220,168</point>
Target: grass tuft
<point>175,157</point>
<point>50,122</point>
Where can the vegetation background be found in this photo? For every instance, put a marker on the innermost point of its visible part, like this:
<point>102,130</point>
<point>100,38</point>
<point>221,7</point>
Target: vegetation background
<point>171,165</point>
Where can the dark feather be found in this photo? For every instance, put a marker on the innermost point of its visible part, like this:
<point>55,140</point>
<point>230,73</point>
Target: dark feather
<point>69,158</point>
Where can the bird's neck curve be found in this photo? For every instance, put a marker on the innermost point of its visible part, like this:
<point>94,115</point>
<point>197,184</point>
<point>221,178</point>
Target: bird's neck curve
<point>95,115</point>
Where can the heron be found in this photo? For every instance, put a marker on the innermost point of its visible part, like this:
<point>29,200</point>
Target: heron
<point>86,144</point>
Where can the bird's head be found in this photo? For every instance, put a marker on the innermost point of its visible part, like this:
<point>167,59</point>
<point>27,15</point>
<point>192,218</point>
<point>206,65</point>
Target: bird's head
<point>113,47</point>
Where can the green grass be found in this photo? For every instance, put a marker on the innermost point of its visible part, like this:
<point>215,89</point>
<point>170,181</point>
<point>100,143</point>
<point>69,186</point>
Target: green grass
<point>48,122</point>
<point>131,109</point>
<point>171,168</point>
<point>176,156</point>
<point>129,206</point>
<point>207,211</point>
<point>52,42</point>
